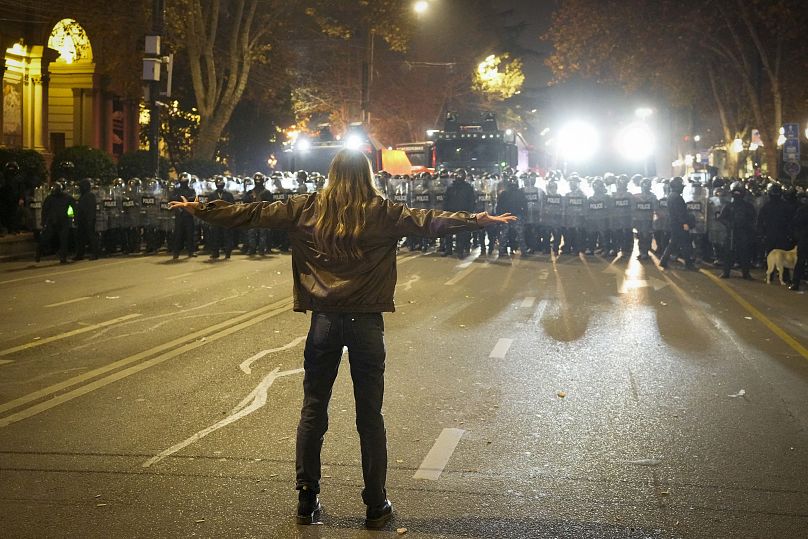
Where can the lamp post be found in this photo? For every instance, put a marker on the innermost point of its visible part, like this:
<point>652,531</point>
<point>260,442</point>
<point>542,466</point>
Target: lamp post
<point>420,7</point>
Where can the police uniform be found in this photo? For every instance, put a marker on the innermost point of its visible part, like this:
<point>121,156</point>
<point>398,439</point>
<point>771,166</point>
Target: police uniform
<point>597,219</point>
<point>644,204</point>
<point>574,219</point>
<point>551,217</point>
<point>620,221</point>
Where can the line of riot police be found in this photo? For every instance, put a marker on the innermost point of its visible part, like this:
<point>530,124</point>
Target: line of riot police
<point>722,222</point>
<point>605,214</point>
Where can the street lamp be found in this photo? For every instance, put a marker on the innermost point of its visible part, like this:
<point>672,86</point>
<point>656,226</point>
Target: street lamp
<point>421,7</point>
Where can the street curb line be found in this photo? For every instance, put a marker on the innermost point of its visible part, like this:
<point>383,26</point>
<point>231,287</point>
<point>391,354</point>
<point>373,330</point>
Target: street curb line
<point>777,330</point>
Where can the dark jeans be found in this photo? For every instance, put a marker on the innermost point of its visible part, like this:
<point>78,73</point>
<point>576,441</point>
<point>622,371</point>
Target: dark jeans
<point>86,235</point>
<point>801,269</point>
<point>363,334</point>
<point>184,234</point>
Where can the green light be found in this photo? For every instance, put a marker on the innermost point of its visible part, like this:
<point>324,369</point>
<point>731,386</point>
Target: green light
<point>70,212</point>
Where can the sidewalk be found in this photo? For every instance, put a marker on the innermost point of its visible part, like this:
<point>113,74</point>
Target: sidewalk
<point>17,246</point>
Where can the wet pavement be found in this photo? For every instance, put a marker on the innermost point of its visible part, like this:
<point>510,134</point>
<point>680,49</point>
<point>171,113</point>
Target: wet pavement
<point>538,397</point>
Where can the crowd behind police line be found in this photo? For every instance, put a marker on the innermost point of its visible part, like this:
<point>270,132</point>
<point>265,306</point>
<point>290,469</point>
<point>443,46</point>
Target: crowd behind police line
<point>723,222</point>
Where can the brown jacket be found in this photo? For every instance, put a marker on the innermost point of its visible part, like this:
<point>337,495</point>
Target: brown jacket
<point>320,284</point>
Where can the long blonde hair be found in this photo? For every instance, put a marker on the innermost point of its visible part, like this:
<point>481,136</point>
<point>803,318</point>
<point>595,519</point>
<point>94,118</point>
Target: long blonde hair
<point>342,205</point>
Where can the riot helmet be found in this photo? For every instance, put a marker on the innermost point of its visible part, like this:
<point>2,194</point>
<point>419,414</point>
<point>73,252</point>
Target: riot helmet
<point>775,190</point>
<point>461,174</point>
<point>737,190</point>
<point>677,185</point>
<point>645,185</point>
<point>12,167</point>
<point>599,186</point>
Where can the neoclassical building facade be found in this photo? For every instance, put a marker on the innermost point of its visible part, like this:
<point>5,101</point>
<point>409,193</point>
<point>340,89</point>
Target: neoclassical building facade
<point>53,96</point>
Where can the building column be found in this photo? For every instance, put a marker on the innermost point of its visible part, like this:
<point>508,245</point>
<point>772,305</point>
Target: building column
<point>2,105</point>
<point>39,114</point>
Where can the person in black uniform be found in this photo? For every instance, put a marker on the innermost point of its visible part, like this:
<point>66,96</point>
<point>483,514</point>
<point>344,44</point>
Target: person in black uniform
<point>258,239</point>
<point>57,209</point>
<point>221,238</point>
<point>774,223</point>
<point>85,221</point>
<point>459,197</point>
<point>512,200</point>
<point>739,218</point>
<point>800,231</point>
<point>184,221</point>
<point>12,198</point>
<point>681,221</point>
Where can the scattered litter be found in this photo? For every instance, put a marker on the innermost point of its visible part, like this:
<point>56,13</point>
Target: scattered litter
<point>257,460</point>
<point>278,272</point>
<point>462,325</point>
<point>113,297</point>
<point>263,490</point>
<point>98,495</point>
<point>740,393</point>
<point>665,492</point>
<point>748,317</point>
<point>49,281</point>
<point>399,461</point>
<point>37,338</point>
<point>199,521</point>
<point>326,477</point>
<point>410,301</point>
<point>562,394</point>
<point>100,505</point>
<point>140,400</point>
<point>401,531</point>
<point>663,303</point>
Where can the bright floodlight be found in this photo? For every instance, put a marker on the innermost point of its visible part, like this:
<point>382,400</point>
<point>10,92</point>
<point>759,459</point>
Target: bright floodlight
<point>578,141</point>
<point>353,142</point>
<point>635,142</point>
<point>303,144</point>
<point>421,7</point>
<point>643,112</point>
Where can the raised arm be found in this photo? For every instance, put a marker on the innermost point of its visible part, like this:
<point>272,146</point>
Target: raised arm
<point>406,221</point>
<point>281,214</point>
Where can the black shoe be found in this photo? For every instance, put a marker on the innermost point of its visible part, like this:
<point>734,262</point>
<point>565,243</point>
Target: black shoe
<point>795,287</point>
<point>192,255</point>
<point>309,509</point>
<point>377,517</point>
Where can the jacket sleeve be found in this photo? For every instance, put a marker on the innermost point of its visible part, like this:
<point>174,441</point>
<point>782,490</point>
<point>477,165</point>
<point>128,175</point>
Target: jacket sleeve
<point>405,221</point>
<point>281,214</point>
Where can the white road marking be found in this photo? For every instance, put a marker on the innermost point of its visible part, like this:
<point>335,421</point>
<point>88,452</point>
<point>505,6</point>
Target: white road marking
<point>84,329</point>
<point>259,399</point>
<point>408,258</point>
<point>68,302</point>
<point>180,276</point>
<point>544,275</point>
<point>245,320</point>
<point>501,349</point>
<point>528,302</point>
<point>4,361</point>
<point>468,261</point>
<point>438,457</point>
<point>462,274</point>
<point>245,365</point>
<point>57,273</point>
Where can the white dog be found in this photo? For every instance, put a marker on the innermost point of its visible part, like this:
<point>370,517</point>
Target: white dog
<point>780,260</point>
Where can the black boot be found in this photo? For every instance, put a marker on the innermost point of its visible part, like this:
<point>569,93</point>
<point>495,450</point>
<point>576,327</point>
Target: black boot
<point>309,509</point>
<point>378,516</point>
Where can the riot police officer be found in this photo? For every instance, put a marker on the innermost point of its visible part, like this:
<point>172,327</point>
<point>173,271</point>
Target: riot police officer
<point>800,231</point>
<point>459,197</point>
<point>597,218</point>
<point>220,237</point>
<point>258,239</point>
<point>697,206</point>
<point>420,199</point>
<point>57,212</point>
<point>130,218</point>
<point>620,219</point>
<point>662,225</point>
<point>774,221</point>
<point>166,218</point>
<point>437,198</point>
<point>280,237</point>
<point>739,218</point>
<point>644,204</point>
<point>681,221</point>
<point>551,217</point>
<point>150,214</point>
<point>12,198</point>
<point>85,221</point>
<point>574,218</point>
<point>533,196</point>
<point>512,200</point>
<point>184,221</point>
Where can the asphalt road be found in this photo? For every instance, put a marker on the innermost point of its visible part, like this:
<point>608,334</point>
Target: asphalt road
<point>525,398</point>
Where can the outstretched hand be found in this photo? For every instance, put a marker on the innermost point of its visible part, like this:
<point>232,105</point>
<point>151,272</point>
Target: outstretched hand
<point>190,207</point>
<point>484,219</point>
